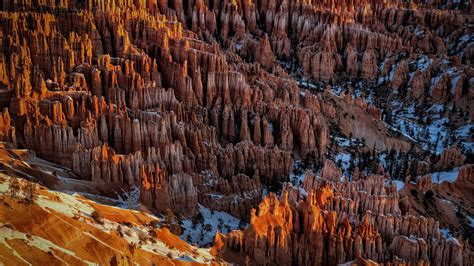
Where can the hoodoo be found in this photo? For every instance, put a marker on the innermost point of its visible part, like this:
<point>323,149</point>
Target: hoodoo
<point>269,132</point>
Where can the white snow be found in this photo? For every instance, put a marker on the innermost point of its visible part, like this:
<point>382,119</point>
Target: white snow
<point>400,184</point>
<point>130,199</point>
<point>34,241</point>
<point>344,159</point>
<point>67,204</point>
<point>434,81</point>
<point>302,192</point>
<point>440,177</point>
<point>445,232</point>
<point>306,84</point>
<point>296,176</point>
<point>418,32</point>
<point>435,129</point>
<point>4,184</point>
<point>214,221</point>
<point>423,63</point>
<point>346,143</point>
<point>464,131</point>
<point>401,126</point>
<point>431,136</point>
<point>468,146</point>
<point>270,126</point>
<point>215,196</point>
<point>343,142</point>
<point>436,108</point>
<point>454,82</point>
<point>454,241</point>
<point>186,258</point>
<point>71,205</point>
<point>337,90</point>
<point>383,159</point>
<point>296,180</point>
<point>349,263</point>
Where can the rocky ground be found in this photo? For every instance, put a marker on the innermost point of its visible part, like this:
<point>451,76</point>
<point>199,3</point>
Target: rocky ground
<point>274,132</point>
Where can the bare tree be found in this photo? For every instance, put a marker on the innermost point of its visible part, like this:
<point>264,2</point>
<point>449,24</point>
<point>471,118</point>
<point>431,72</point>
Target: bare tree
<point>14,187</point>
<point>31,192</point>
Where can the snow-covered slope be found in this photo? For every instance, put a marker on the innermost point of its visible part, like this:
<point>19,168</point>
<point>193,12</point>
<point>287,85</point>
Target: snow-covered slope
<point>58,228</point>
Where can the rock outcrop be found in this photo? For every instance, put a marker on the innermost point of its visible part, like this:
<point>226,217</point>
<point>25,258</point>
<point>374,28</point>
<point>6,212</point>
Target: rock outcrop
<point>451,157</point>
<point>333,223</point>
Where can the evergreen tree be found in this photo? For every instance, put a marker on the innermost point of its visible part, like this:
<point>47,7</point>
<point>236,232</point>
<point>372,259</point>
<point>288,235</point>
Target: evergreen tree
<point>31,193</point>
<point>414,166</point>
<point>172,222</point>
<point>351,163</point>
<point>404,169</point>
<point>14,187</point>
<point>197,219</point>
<point>374,164</point>
<point>242,224</point>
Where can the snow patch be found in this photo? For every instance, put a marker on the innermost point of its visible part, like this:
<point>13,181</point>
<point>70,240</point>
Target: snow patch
<point>449,176</point>
<point>400,184</point>
<point>35,241</point>
<point>130,199</point>
<point>66,204</point>
<point>204,233</point>
<point>343,159</point>
<point>471,221</point>
<point>464,131</point>
<point>445,232</point>
<point>75,206</point>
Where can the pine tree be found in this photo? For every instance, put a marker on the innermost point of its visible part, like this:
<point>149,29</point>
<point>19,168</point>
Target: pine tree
<point>197,219</point>
<point>31,193</point>
<point>374,164</point>
<point>14,187</point>
<point>414,166</point>
<point>403,172</point>
<point>172,222</point>
<point>242,224</point>
<point>351,163</point>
